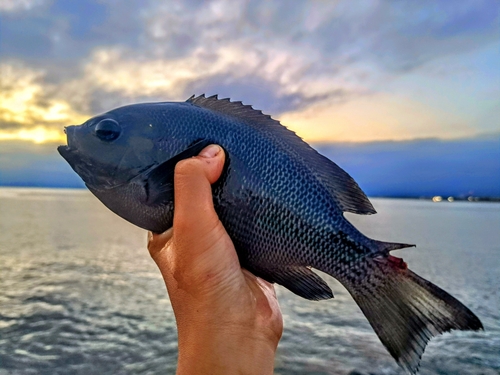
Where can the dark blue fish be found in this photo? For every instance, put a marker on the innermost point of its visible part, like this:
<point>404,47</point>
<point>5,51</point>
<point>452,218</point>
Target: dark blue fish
<point>281,202</point>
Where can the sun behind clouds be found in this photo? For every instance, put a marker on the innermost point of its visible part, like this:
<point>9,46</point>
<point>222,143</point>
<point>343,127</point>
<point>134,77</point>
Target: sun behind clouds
<point>25,113</point>
<point>37,135</point>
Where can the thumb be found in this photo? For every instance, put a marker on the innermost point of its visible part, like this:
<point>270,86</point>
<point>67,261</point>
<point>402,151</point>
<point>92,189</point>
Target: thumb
<point>193,203</point>
<point>194,214</point>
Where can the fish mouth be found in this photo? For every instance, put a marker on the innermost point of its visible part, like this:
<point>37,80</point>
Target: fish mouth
<point>64,150</point>
<point>69,131</point>
<point>70,152</point>
<point>77,162</point>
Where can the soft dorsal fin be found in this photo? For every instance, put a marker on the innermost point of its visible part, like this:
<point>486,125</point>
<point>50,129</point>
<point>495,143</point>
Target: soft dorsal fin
<point>344,190</point>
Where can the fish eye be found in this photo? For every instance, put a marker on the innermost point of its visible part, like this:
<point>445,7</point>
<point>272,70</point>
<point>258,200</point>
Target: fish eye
<point>107,130</point>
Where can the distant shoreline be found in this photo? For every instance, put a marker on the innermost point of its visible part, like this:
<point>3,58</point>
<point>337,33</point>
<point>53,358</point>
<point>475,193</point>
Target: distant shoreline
<point>437,198</point>
<point>444,199</point>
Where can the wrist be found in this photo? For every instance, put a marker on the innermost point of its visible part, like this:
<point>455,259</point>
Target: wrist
<point>225,349</point>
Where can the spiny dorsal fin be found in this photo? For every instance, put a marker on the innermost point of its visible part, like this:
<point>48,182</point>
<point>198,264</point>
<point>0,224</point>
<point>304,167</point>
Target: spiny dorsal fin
<point>344,190</point>
<point>235,109</point>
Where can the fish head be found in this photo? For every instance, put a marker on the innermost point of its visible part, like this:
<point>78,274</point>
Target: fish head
<point>111,149</point>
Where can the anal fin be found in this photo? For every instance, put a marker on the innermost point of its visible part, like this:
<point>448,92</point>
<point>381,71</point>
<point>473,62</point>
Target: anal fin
<point>299,280</point>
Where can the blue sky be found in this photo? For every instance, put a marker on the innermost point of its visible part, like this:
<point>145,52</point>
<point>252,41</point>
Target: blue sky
<point>333,71</point>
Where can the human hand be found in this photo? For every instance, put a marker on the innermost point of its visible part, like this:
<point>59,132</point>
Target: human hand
<point>228,320</point>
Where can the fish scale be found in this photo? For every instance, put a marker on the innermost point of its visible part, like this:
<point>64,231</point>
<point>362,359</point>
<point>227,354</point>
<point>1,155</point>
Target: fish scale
<point>281,202</point>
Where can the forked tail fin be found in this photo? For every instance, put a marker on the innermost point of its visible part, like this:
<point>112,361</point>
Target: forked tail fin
<point>405,310</point>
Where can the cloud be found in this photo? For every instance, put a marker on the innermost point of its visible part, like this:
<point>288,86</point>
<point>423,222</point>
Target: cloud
<point>390,35</point>
<point>26,100</point>
<point>277,75</point>
<point>18,5</point>
<point>71,60</point>
<point>403,36</point>
<point>57,33</point>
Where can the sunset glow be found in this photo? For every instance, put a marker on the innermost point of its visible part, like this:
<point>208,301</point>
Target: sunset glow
<point>38,135</point>
<point>27,111</point>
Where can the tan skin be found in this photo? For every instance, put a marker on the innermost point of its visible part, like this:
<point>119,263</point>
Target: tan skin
<point>228,320</point>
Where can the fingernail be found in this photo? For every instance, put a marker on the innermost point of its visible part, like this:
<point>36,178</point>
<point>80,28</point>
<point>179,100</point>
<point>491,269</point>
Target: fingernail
<point>210,151</point>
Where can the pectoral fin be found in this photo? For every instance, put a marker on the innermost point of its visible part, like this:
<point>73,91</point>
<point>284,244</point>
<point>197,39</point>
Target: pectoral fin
<point>159,180</point>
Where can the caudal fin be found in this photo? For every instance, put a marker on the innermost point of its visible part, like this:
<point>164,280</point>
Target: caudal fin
<point>405,310</point>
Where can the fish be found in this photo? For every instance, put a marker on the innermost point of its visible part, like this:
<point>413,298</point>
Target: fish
<point>281,202</point>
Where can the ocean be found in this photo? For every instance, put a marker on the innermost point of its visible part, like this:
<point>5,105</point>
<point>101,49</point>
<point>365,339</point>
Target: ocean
<point>79,293</point>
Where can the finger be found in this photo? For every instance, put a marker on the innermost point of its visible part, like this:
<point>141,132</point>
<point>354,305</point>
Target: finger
<point>194,211</point>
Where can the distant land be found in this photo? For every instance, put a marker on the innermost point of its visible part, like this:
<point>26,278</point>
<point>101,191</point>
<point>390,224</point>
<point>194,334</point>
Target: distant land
<point>403,169</point>
<point>422,168</point>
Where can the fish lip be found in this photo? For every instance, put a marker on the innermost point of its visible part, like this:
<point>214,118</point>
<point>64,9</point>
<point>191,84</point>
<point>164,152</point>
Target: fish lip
<point>65,150</point>
<point>70,155</point>
<point>69,131</point>
<point>69,152</point>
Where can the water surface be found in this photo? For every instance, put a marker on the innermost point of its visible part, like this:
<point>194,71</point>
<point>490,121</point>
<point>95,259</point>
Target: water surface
<point>79,293</point>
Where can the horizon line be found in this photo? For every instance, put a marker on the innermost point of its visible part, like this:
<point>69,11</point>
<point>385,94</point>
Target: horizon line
<point>492,135</point>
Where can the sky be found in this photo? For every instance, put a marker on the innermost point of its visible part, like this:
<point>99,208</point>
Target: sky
<point>333,71</point>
